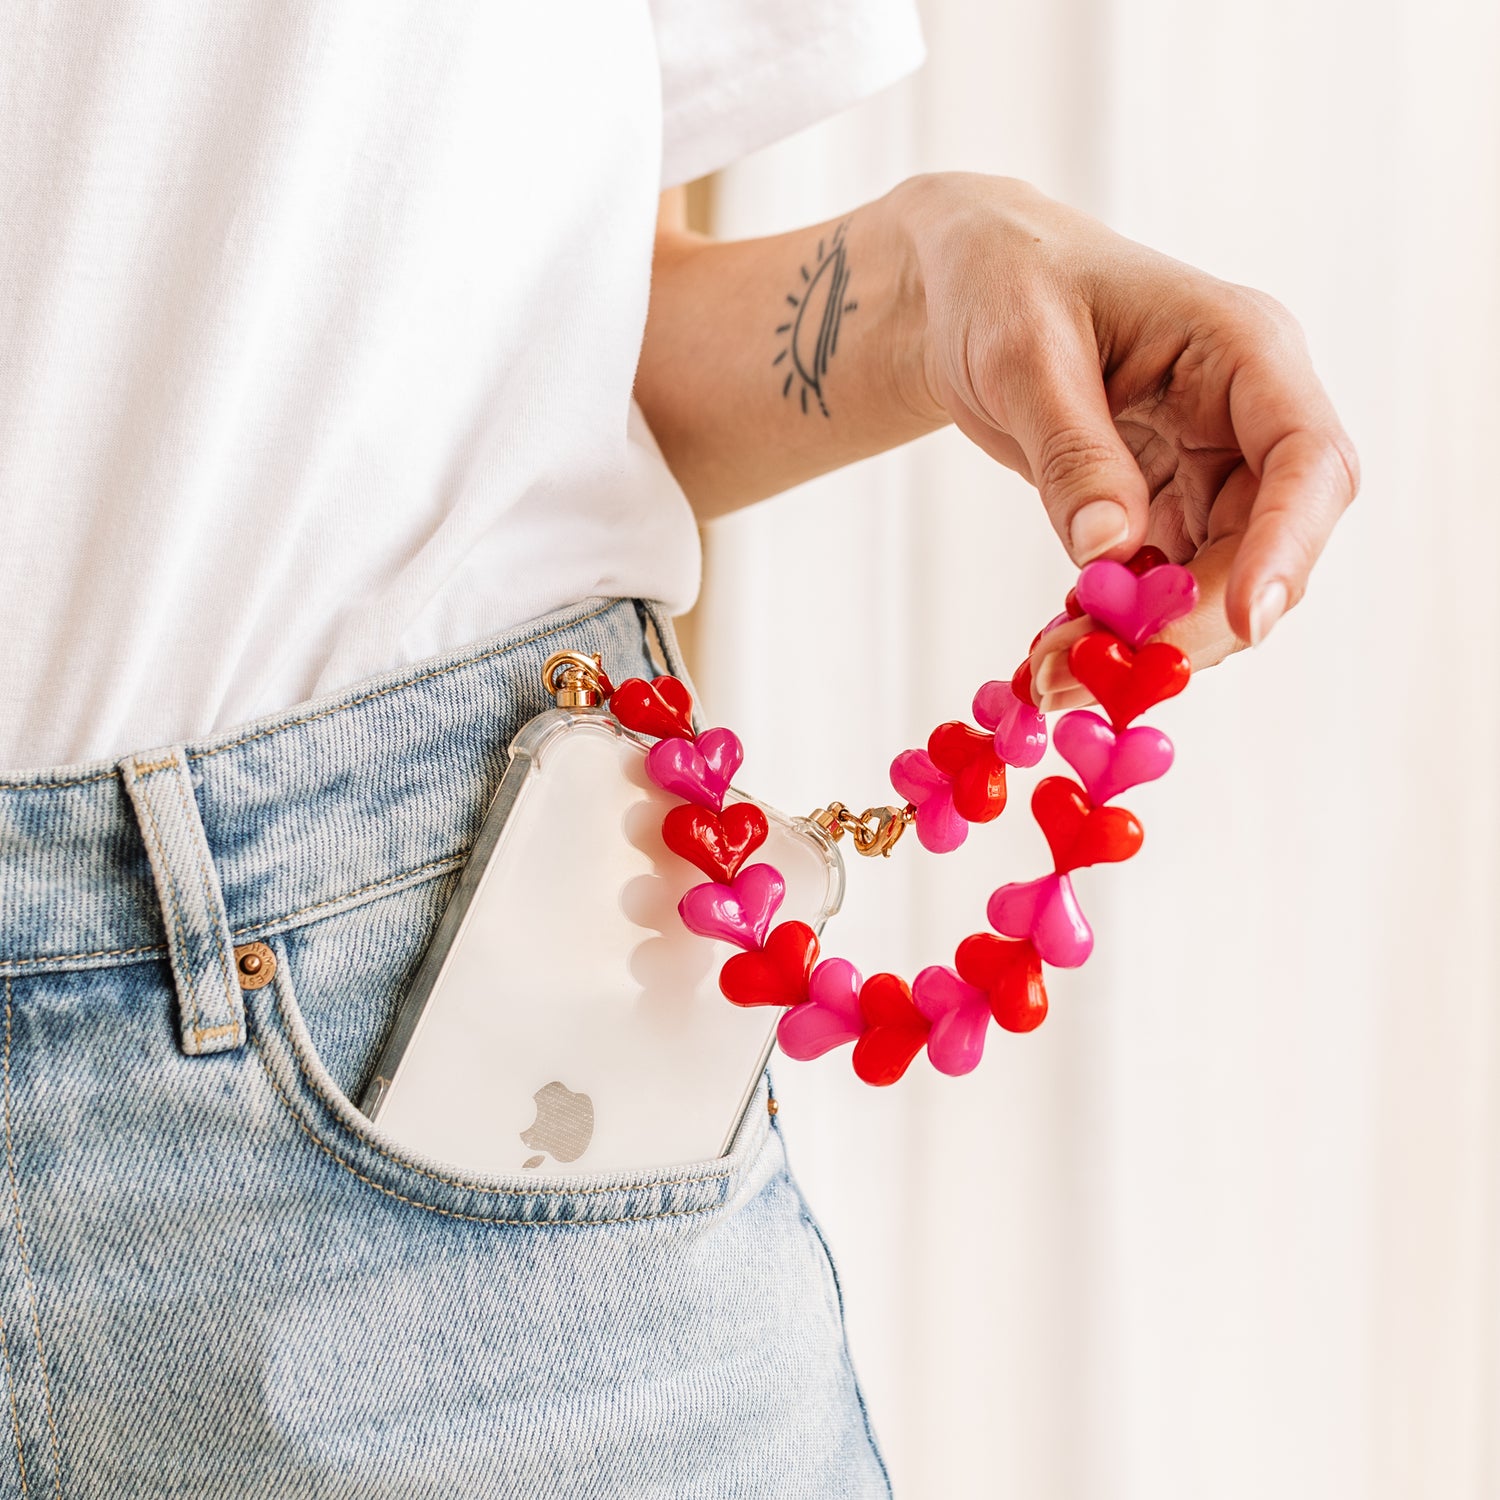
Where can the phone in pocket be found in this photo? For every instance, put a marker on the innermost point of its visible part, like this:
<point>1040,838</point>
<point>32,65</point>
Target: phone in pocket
<point>563,1019</point>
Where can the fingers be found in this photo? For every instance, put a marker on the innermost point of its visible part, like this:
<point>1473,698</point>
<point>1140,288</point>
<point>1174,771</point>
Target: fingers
<point>1308,473</point>
<point>1205,635</point>
<point>1052,680</point>
<point>1090,483</point>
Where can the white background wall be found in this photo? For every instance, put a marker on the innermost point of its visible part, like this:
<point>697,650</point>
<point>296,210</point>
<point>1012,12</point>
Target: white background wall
<point>1229,1223</point>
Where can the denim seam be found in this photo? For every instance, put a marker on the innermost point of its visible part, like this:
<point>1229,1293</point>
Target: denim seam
<point>846,1354</point>
<point>41,784</point>
<point>47,786</point>
<point>271,925</point>
<point>214,913</point>
<point>396,687</point>
<point>66,958</point>
<point>175,956</point>
<point>449,1213</point>
<point>15,1414</point>
<point>304,1067</point>
<point>36,1322</point>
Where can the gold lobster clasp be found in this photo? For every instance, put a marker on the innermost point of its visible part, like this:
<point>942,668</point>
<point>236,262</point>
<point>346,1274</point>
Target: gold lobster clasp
<point>874,831</point>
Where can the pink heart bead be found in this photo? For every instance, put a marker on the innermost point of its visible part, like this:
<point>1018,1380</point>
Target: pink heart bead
<point>829,1017</point>
<point>739,912</point>
<point>1047,912</point>
<point>1108,761</point>
<point>939,827</point>
<point>1020,728</point>
<point>960,1016</point>
<point>1136,608</point>
<point>698,771</point>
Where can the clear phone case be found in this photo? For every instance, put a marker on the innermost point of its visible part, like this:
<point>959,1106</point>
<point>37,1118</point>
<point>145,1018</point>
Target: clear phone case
<point>563,1019</point>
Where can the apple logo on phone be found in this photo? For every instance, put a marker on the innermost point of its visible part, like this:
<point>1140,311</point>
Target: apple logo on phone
<point>564,1124</point>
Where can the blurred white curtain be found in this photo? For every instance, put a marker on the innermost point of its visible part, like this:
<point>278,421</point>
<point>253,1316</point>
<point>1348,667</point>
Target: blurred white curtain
<point>1229,1224</point>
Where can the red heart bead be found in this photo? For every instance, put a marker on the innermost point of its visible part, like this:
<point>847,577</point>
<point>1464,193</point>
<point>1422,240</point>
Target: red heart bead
<point>1071,607</point>
<point>1020,682</point>
<point>716,843</point>
<point>1127,682</point>
<point>662,707</point>
<point>895,1030</point>
<point>1009,971</point>
<point>968,759</point>
<point>1078,833</point>
<point>776,974</point>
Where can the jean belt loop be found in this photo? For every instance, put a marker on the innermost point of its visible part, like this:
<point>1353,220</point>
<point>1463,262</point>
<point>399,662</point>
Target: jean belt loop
<point>199,943</point>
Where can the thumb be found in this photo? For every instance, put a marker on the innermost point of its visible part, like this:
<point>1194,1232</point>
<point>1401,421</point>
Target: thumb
<point>1090,483</point>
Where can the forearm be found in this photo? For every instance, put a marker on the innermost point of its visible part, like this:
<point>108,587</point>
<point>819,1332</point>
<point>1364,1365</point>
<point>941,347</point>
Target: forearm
<point>768,361</point>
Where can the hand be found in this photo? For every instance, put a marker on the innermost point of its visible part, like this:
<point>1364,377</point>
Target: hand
<point>1147,401</point>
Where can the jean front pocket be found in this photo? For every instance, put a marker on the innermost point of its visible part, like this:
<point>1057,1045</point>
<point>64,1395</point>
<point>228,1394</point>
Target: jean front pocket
<point>315,1057</point>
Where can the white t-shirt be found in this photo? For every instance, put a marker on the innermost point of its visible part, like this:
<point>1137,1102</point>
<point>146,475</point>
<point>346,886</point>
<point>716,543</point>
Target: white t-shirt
<point>318,326</point>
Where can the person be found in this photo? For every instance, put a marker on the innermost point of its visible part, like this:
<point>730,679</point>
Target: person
<point>355,357</point>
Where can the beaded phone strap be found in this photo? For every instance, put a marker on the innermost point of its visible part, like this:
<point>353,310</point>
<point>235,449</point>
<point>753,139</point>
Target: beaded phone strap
<point>959,779</point>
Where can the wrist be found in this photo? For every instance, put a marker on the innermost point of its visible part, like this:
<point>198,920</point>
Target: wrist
<point>975,244</point>
<point>898,224</point>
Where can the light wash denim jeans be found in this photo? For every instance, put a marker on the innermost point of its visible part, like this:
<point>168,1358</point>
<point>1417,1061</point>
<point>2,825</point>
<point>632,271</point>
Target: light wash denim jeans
<point>217,1280</point>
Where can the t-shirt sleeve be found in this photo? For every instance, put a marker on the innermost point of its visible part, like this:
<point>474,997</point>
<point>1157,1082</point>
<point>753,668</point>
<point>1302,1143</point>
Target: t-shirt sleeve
<point>739,74</point>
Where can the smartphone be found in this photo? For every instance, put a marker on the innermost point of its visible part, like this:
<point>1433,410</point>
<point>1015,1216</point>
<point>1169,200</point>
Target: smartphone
<point>563,1019</point>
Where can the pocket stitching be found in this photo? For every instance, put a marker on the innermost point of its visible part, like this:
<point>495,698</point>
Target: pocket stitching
<point>433,870</point>
<point>318,1088</point>
<point>450,1213</point>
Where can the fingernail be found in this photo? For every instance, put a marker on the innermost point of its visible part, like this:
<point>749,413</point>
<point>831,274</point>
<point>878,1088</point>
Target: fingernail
<point>1096,528</point>
<point>1054,674</point>
<point>1266,609</point>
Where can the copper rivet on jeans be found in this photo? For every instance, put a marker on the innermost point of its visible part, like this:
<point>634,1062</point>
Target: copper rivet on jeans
<point>256,963</point>
<point>772,1107</point>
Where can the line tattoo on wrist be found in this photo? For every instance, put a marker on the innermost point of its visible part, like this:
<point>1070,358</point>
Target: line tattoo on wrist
<point>812,331</point>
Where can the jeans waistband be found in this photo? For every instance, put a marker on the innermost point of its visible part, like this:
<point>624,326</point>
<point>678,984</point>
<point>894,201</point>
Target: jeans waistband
<point>331,802</point>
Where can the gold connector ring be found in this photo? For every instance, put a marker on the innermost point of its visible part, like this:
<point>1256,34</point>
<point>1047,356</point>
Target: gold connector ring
<point>575,680</point>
